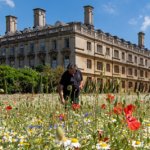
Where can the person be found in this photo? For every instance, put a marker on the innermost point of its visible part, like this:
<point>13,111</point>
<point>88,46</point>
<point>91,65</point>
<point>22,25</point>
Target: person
<point>70,84</point>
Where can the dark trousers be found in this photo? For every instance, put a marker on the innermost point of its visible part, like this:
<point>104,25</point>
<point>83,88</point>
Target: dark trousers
<point>73,96</point>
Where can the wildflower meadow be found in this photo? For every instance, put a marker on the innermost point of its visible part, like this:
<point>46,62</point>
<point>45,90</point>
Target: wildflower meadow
<point>41,122</point>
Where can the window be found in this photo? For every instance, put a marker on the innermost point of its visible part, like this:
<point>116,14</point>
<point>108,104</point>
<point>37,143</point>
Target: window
<point>116,69</point>
<point>67,44</point>
<point>88,45</point>
<point>108,67</point>
<point>123,56</point>
<point>135,59</point>
<point>130,71</point>
<point>108,51</point>
<point>54,62</point>
<point>21,49</point>
<point>21,63</point>
<point>89,63</point>
<point>42,46</point>
<point>123,84</point>
<point>130,58</point>
<point>99,66</point>
<point>12,51</point>
<point>141,61</point>
<point>32,47</point>
<point>145,74</point>
<point>3,52</point>
<point>54,44</point>
<point>135,72</point>
<point>66,61</point>
<point>31,62</point>
<point>141,73</point>
<point>130,84</point>
<point>123,70</point>
<point>100,49</point>
<point>116,53</point>
<point>145,62</point>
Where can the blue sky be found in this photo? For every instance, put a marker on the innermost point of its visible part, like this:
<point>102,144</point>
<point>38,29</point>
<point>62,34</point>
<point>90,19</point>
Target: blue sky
<point>123,18</point>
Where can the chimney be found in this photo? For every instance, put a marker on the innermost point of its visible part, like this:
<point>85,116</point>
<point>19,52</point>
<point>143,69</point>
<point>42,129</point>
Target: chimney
<point>11,24</point>
<point>141,39</point>
<point>88,16</point>
<point>39,17</point>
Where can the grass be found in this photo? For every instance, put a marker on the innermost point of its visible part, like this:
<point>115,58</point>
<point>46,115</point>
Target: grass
<point>31,122</point>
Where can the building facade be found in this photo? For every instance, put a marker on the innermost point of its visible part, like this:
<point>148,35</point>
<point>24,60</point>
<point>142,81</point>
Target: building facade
<point>99,55</point>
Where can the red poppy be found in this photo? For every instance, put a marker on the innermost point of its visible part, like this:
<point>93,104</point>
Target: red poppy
<point>8,108</point>
<point>118,109</point>
<point>133,123</point>
<point>110,98</point>
<point>129,109</point>
<point>75,106</point>
<point>103,106</point>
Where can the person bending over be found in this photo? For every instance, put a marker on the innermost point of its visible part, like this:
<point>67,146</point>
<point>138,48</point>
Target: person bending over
<point>70,84</point>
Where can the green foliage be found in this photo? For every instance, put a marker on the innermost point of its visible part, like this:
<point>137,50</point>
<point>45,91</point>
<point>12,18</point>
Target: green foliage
<point>8,79</point>
<point>27,80</point>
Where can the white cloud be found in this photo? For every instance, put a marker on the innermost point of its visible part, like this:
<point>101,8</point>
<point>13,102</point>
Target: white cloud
<point>146,23</point>
<point>10,3</point>
<point>109,8</point>
<point>133,21</point>
<point>136,20</point>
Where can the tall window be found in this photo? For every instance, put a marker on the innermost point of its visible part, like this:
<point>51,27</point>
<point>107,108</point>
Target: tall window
<point>108,51</point>
<point>130,71</point>
<point>89,46</point>
<point>67,44</point>
<point>12,51</point>
<point>99,65</point>
<point>32,47</point>
<point>66,61</point>
<point>42,46</point>
<point>116,69</point>
<point>123,84</point>
<point>100,49</point>
<point>135,59</point>
<point>116,53</point>
<point>21,49</point>
<point>141,61</point>
<point>123,70</point>
<point>54,62</point>
<point>3,52</point>
<point>54,44</point>
<point>130,58</point>
<point>31,62</point>
<point>145,62</point>
<point>141,73</point>
<point>130,84</point>
<point>145,74</point>
<point>135,72</point>
<point>123,56</point>
<point>108,67</point>
<point>21,63</point>
<point>89,63</point>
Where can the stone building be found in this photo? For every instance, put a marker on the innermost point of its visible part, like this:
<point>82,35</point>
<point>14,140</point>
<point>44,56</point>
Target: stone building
<point>99,55</point>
